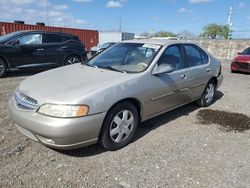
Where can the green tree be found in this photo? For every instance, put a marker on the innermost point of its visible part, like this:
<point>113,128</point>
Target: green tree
<point>164,34</point>
<point>216,31</point>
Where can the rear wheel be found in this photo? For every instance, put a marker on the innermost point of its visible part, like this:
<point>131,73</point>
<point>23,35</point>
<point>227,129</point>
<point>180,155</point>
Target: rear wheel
<point>3,68</point>
<point>119,126</point>
<point>72,59</point>
<point>208,95</point>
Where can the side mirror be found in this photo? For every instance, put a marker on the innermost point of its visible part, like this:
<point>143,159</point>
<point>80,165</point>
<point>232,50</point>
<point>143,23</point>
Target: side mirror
<point>238,53</point>
<point>163,68</point>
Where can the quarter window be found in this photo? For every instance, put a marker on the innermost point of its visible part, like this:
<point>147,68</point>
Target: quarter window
<point>173,57</point>
<point>52,38</point>
<point>195,56</point>
<point>30,39</point>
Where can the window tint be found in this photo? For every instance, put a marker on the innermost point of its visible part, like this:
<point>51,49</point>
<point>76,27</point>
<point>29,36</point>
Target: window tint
<point>173,57</point>
<point>30,39</point>
<point>193,56</point>
<point>52,38</point>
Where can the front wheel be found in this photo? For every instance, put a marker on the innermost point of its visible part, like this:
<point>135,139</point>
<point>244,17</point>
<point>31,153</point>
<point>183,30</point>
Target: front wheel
<point>208,95</point>
<point>119,126</point>
<point>3,68</point>
<point>72,59</point>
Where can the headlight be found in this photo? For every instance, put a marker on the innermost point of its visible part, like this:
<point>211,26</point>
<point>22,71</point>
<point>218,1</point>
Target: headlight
<point>64,111</point>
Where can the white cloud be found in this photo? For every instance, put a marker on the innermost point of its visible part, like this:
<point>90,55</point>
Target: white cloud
<point>61,7</point>
<point>181,10</point>
<point>199,1</point>
<point>114,4</point>
<point>20,2</point>
<point>36,12</point>
<point>82,1</point>
<point>81,22</point>
<point>241,5</point>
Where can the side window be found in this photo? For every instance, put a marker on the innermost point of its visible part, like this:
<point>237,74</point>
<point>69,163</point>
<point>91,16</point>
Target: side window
<point>30,39</point>
<point>67,38</point>
<point>173,57</point>
<point>204,56</point>
<point>194,56</point>
<point>52,38</point>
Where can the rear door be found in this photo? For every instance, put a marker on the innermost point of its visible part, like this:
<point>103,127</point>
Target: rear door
<point>170,89</point>
<point>199,69</point>
<point>53,49</point>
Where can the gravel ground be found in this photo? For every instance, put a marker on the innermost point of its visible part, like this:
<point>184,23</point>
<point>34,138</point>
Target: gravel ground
<point>175,149</point>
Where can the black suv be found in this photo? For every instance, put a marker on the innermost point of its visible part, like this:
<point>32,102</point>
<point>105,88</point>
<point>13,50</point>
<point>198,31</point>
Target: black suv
<point>39,50</point>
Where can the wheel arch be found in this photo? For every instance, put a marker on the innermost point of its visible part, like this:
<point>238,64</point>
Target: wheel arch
<point>69,54</point>
<point>137,103</point>
<point>5,60</point>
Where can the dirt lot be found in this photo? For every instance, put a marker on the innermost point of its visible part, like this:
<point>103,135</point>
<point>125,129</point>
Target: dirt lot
<point>183,148</point>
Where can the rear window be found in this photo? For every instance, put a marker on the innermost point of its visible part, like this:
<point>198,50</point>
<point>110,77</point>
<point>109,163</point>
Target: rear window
<point>52,38</point>
<point>68,37</point>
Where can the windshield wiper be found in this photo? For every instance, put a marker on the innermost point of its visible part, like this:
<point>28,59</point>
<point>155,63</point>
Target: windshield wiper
<point>114,69</point>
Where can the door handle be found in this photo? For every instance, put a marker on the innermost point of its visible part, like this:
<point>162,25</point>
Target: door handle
<point>184,76</point>
<point>40,49</point>
<point>64,47</point>
<point>208,69</point>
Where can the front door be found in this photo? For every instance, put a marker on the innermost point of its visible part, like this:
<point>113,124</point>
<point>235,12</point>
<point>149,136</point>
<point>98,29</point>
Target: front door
<point>26,51</point>
<point>171,89</point>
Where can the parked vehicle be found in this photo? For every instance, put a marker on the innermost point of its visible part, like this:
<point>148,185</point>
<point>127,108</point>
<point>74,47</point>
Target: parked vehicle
<point>241,63</point>
<point>39,50</point>
<point>106,98</point>
<point>98,49</point>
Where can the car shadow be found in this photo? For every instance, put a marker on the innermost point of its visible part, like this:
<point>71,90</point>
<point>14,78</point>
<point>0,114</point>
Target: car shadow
<point>22,73</point>
<point>143,129</point>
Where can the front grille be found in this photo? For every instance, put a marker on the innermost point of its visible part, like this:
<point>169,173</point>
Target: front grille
<point>243,65</point>
<point>24,102</point>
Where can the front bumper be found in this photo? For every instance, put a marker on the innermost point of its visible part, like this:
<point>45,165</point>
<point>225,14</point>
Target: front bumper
<point>220,79</point>
<point>240,66</point>
<point>59,133</point>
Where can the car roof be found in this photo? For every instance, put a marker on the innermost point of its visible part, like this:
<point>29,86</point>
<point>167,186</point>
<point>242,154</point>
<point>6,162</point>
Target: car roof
<point>158,41</point>
<point>41,31</point>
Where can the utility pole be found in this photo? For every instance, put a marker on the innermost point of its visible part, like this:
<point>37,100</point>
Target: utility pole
<point>229,20</point>
<point>120,24</point>
<point>47,11</point>
<point>229,24</point>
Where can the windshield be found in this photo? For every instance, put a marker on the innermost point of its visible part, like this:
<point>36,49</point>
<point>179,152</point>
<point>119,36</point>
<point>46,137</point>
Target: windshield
<point>246,51</point>
<point>8,36</point>
<point>106,45</point>
<point>126,57</point>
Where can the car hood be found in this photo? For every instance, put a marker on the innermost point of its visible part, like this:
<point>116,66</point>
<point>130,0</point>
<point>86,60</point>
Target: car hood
<point>242,58</point>
<point>68,85</point>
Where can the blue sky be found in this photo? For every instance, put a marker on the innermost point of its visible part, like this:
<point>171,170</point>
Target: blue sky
<point>137,15</point>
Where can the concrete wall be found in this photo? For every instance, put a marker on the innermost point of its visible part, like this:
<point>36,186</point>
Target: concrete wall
<point>223,49</point>
<point>113,36</point>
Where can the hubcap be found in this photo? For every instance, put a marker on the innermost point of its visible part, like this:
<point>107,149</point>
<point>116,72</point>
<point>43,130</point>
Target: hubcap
<point>209,93</point>
<point>73,60</point>
<point>121,126</point>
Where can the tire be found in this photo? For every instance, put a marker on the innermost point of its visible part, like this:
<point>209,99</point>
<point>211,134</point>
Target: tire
<point>72,59</point>
<point>208,95</point>
<point>3,68</point>
<point>119,126</point>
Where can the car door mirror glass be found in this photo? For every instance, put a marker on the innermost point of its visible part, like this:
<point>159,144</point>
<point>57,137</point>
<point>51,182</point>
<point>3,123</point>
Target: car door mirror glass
<point>163,68</point>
